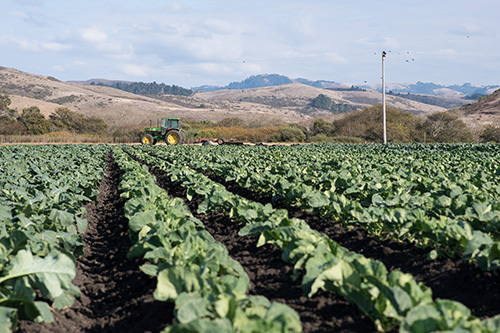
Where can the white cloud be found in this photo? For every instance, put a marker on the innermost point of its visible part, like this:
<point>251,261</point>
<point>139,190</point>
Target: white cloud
<point>22,15</point>
<point>135,70</point>
<point>224,40</point>
<point>378,43</point>
<point>336,59</point>
<point>54,46</point>
<point>58,68</point>
<point>34,45</point>
<point>93,35</point>
<point>219,27</point>
<point>25,44</point>
<point>446,52</point>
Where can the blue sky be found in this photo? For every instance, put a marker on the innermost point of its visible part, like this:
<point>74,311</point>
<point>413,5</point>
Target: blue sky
<point>194,42</point>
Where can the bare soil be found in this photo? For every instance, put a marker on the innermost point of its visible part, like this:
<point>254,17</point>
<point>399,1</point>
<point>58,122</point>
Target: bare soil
<point>272,277</point>
<point>117,296</point>
<point>449,278</point>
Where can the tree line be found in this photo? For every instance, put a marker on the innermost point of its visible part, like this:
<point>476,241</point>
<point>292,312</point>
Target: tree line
<point>30,121</point>
<point>401,126</point>
<point>152,88</point>
<point>356,127</point>
<point>326,103</point>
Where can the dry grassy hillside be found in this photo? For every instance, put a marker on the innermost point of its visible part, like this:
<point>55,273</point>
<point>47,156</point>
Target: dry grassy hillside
<point>485,111</point>
<point>286,103</point>
<point>119,108</point>
<point>295,96</point>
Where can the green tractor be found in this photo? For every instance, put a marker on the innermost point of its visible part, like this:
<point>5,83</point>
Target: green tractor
<point>169,130</point>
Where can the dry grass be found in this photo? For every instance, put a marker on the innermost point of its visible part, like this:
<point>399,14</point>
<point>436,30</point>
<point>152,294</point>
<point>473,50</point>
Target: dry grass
<point>119,109</point>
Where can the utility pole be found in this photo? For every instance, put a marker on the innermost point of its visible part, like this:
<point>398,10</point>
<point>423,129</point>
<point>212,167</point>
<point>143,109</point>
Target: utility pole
<point>383,96</point>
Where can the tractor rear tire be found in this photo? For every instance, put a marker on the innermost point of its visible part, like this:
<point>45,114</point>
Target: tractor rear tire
<point>173,137</point>
<point>147,139</point>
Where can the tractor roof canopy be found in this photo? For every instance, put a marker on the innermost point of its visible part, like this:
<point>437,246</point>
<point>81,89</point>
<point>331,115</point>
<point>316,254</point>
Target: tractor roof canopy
<point>170,123</point>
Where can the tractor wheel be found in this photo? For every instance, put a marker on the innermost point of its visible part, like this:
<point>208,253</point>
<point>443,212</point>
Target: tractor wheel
<point>220,141</point>
<point>147,139</point>
<point>173,137</point>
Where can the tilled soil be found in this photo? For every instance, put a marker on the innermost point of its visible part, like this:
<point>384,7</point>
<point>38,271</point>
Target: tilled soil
<point>271,277</point>
<point>449,278</point>
<point>115,295</point>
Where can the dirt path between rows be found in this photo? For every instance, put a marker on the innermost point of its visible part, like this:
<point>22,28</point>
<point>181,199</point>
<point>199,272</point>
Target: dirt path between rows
<point>449,278</point>
<point>115,295</point>
<point>270,276</point>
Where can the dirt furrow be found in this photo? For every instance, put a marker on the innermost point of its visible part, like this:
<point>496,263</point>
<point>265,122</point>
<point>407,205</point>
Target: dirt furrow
<point>272,277</point>
<point>115,295</point>
<point>449,278</point>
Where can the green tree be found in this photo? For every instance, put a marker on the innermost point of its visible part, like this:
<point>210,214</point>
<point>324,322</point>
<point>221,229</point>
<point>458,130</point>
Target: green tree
<point>4,102</point>
<point>34,121</point>
<point>322,102</point>
<point>321,126</point>
<point>291,134</point>
<point>67,120</point>
<point>367,124</point>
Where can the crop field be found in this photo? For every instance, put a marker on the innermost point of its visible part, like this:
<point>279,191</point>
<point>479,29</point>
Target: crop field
<point>307,238</point>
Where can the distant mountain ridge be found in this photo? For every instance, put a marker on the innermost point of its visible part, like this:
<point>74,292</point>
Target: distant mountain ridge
<point>288,103</point>
<point>429,88</point>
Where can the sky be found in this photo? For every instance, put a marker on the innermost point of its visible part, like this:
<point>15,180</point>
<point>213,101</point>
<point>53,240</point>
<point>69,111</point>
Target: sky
<point>191,43</point>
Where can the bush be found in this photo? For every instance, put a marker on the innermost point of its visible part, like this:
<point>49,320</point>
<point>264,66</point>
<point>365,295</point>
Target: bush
<point>34,121</point>
<point>367,124</point>
<point>347,139</point>
<point>446,127</point>
<point>291,134</point>
<point>319,138</point>
<point>323,127</point>
<point>207,133</point>
<point>66,120</point>
<point>322,102</point>
<point>231,122</point>
<point>490,133</point>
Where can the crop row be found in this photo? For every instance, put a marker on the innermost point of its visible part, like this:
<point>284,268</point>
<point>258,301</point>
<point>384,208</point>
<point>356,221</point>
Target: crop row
<point>208,287</point>
<point>390,299</point>
<point>446,197</point>
<point>43,191</point>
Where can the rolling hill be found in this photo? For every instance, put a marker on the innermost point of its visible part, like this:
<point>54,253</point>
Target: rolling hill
<point>119,108</point>
<point>425,88</point>
<point>485,111</point>
<point>290,102</point>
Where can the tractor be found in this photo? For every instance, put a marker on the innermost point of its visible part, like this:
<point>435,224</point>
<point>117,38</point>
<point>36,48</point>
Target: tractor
<point>169,130</point>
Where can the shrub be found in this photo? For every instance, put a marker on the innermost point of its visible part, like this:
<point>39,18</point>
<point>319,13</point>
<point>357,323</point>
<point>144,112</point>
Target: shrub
<point>319,138</point>
<point>446,127</point>
<point>291,134</point>
<point>231,122</point>
<point>367,125</point>
<point>34,121</point>
<point>490,133</point>
<point>321,126</point>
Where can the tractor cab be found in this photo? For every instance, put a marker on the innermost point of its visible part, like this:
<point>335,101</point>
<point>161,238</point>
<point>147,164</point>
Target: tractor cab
<point>169,130</point>
<point>170,123</point>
